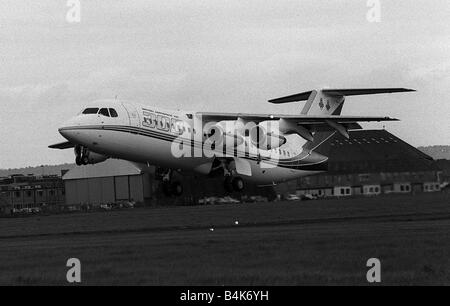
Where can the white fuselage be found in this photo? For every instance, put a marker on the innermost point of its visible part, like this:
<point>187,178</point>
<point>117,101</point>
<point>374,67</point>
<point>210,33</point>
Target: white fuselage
<point>152,136</point>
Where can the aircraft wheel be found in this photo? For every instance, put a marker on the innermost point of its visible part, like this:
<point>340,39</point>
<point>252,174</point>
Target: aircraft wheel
<point>228,184</point>
<point>238,183</point>
<point>177,188</point>
<point>166,189</point>
<point>78,160</point>
<point>85,160</point>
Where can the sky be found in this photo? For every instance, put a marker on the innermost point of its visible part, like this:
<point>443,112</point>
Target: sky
<point>210,55</point>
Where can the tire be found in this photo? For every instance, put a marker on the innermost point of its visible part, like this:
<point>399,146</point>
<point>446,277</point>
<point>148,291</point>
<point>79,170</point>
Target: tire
<point>176,188</point>
<point>78,160</point>
<point>238,184</point>
<point>85,160</point>
<point>77,150</point>
<point>227,184</point>
<point>166,189</point>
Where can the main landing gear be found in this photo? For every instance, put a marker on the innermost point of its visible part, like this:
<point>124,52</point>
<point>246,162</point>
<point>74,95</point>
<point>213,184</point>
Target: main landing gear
<point>227,167</point>
<point>170,187</point>
<point>233,183</point>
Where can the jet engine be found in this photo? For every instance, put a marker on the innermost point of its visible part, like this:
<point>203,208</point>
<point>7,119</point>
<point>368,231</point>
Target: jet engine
<point>221,136</point>
<point>260,138</point>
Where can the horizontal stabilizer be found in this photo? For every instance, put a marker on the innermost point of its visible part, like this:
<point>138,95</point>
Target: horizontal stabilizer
<point>339,93</point>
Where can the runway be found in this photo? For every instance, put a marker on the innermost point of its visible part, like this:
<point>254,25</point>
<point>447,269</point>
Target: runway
<point>317,242</point>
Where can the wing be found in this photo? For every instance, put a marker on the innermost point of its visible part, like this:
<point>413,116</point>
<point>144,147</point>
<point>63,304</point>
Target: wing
<point>303,125</point>
<point>301,119</point>
<point>62,145</point>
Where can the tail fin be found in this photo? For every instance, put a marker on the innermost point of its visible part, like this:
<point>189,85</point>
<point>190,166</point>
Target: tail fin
<point>330,101</point>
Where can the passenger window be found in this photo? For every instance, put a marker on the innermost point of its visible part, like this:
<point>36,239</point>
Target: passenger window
<point>113,112</point>
<point>92,110</point>
<point>104,112</point>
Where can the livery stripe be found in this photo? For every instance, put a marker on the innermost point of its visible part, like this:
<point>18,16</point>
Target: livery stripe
<point>295,163</point>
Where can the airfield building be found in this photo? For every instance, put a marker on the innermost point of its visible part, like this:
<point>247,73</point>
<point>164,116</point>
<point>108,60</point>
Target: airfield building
<point>118,180</point>
<point>108,182</point>
<point>20,192</point>
<point>371,162</point>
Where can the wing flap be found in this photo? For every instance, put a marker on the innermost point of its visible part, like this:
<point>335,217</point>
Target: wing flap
<point>302,125</point>
<point>300,119</point>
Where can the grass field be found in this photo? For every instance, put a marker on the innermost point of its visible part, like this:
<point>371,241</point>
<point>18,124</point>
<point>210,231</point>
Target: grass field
<point>316,242</point>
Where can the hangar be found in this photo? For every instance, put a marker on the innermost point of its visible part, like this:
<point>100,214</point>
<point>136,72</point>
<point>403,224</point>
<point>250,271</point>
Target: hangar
<point>117,180</point>
<point>371,162</point>
<point>110,181</point>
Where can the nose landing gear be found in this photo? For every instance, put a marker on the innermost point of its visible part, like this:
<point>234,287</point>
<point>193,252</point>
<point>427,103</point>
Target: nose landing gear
<point>78,150</point>
<point>81,155</point>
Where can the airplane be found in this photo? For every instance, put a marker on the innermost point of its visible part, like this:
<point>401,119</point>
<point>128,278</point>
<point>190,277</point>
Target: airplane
<point>265,149</point>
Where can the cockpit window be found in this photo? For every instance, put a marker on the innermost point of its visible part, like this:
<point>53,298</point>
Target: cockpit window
<point>104,112</point>
<point>113,112</point>
<point>91,110</point>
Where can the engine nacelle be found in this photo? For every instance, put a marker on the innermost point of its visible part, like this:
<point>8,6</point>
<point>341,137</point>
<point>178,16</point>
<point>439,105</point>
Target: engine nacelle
<point>267,141</point>
<point>221,136</point>
<point>94,158</point>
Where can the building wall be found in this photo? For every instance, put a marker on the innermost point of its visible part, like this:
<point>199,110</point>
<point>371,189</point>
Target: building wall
<point>26,197</point>
<point>97,191</point>
<point>121,188</point>
<point>362,183</point>
<point>136,188</point>
<point>107,189</point>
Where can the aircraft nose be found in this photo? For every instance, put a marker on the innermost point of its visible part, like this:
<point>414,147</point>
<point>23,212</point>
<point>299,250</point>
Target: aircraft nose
<point>63,131</point>
<point>67,129</point>
<point>67,133</point>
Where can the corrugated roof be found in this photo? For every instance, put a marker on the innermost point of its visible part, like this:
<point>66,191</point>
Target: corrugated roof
<point>373,151</point>
<point>110,167</point>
